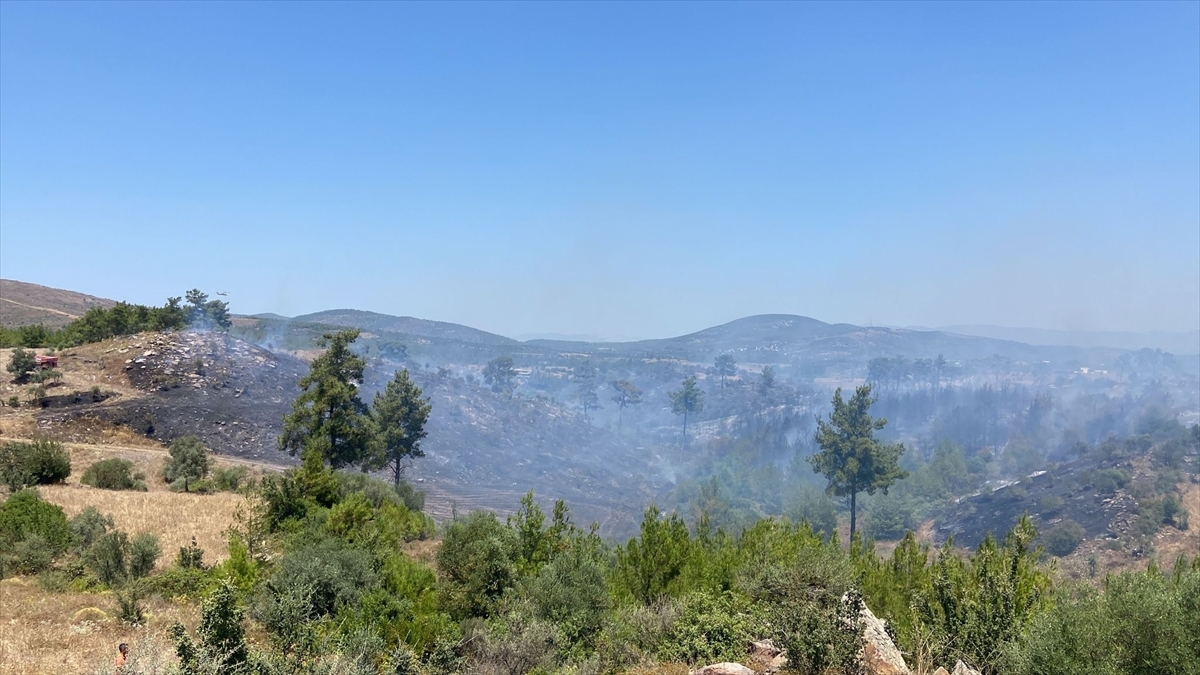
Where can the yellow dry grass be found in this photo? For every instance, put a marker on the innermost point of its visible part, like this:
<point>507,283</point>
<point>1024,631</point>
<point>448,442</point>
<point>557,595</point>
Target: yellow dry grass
<point>45,633</point>
<point>174,517</point>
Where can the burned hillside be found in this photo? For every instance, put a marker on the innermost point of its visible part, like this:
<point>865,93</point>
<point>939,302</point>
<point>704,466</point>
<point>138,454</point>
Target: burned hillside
<point>229,393</point>
<point>1125,494</point>
<point>483,450</point>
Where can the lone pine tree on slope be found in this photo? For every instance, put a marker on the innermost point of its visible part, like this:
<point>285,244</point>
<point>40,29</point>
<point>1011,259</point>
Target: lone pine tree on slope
<point>851,457</point>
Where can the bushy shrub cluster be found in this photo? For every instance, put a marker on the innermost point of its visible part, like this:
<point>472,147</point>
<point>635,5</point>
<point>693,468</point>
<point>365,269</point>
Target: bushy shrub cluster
<point>1140,623</point>
<point>187,463</point>
<point>38,462</point>
<point>1063,537</point>
<point>113,474</point>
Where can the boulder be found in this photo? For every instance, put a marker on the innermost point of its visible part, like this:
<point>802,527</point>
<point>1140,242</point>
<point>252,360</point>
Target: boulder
<point>724,669</point>
<point>880,655</point>
<point>765,648</point>
<point>940,671</point>
<point>765,657</point>
<point>961,668</point>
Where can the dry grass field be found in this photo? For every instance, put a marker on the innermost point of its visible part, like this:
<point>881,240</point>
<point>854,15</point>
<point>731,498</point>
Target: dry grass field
<point>45,633</point>
<point>68,633</point>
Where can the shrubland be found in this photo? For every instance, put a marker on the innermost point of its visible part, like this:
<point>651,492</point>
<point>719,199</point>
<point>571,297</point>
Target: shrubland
<point>314,576</point>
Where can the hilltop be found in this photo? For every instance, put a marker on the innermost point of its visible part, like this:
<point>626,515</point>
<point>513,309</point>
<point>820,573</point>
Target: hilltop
<point>385,323</point>
<point>24,304</point>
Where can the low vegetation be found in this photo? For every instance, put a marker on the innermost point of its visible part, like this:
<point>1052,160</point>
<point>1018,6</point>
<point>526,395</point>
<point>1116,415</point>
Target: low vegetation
<point>114,474</point>
<point>38,462</point>
<point>316,567</point>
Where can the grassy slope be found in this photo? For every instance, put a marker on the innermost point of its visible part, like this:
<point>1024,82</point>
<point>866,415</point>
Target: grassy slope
<point>23,304</point>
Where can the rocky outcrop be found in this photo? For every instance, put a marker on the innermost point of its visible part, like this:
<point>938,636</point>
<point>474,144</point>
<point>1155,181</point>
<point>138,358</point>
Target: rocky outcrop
<point>961,668</point>
<point>880,655</point>
<point>940,671</point>
<point>724,669</point>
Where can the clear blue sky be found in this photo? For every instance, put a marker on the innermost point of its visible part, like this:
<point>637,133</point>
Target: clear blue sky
<point>616,168</point>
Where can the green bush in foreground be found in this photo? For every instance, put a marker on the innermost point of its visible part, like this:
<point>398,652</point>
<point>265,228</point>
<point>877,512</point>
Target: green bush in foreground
<point>1143,623</point>
<point>39,462</point>
<point>31,531</point>
<point>187,463</point>
<point>113,474</point>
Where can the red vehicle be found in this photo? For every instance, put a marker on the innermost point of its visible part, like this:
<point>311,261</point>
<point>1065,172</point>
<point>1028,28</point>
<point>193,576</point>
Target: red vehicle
<point>44,362</point>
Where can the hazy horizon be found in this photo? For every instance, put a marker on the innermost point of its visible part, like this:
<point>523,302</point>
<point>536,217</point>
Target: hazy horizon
<point>594,169</point>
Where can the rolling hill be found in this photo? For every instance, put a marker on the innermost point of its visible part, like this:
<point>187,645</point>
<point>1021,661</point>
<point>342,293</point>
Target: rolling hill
<point>23,304</point>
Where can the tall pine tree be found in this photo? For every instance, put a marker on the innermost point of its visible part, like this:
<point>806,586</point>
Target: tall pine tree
<point>329,417</point>
<point>851,457</point>
<point>398,415</point>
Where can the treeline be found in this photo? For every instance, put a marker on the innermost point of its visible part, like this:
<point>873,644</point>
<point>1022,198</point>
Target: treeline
<point>99,323</point>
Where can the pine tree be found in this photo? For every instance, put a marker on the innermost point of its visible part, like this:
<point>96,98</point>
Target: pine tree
<point>686,401</point>
<point>398,416</point>
<point>851,457</point>
<point>329,417</point>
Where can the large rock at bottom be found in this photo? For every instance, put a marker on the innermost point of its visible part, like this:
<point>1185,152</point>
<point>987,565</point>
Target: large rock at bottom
<point>961,668</point>
<point>880,655</point>
<point>765,657</point>
<point>940,671</point>
<point>724,669</point>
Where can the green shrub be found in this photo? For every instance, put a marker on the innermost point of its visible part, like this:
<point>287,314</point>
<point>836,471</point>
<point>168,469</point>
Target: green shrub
<point>1063,538</point>
<point>335,573</point>
<point>191,557</point>
<point>648,565</point>
<point>517,645</point>
<point>88,526</point>
<point>1108,481</point>
<point>571,592</point>
<point>890,517</point>
<point>129,607</point>
<point>975,607</point>
<point>711,628</point>
<point>413,498</point>
<point>635,634</point>
<point>24,515</point>
<point>108,558</point>
<point>112,474</point>
<point>179,582</point>
<point>40,462</point>
<point>803,596</point>
<point>221,641</point>
<point>144,551</point>
<point>816,508</point>
<point>188,462</point>
<point>477,560</point>
<point>1142,624</point>
<point>19,365</point>
<point>1050,504</point>
<point>230,478</point>
<point>31,555</point>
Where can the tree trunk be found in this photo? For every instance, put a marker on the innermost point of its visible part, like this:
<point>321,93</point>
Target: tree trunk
<point>853,513</point>
<point>685,428</point>
<point>396,474</point>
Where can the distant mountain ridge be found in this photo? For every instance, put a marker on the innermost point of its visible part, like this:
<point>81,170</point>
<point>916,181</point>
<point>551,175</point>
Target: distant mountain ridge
<point>763,338</point>
<point>386,323</point>
<point>1187,342</point>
